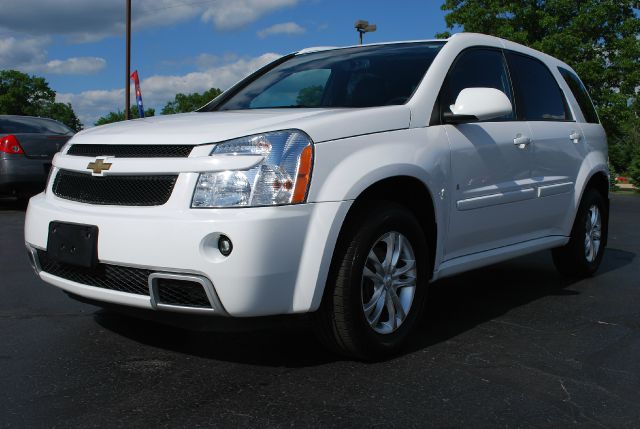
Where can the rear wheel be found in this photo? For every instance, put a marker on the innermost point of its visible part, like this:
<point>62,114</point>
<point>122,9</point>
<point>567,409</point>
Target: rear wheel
<point>582,256</point>
<point>377,284</point>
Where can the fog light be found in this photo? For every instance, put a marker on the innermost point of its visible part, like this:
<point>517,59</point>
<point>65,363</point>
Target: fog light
<point>224,245</point>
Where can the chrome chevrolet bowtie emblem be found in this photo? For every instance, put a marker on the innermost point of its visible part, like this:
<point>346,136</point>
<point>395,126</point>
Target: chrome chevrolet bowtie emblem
<point>98,166</point>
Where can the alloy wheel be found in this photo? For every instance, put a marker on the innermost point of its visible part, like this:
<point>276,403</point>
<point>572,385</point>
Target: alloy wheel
<point>389,282</point>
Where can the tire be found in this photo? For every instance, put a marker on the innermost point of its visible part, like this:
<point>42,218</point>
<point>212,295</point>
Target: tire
<point>341,322</point>
<point>577,258</point>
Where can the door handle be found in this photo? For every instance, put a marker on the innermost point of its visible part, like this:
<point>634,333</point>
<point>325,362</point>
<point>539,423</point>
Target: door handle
<point>575,136</point>
<point>521,141</point>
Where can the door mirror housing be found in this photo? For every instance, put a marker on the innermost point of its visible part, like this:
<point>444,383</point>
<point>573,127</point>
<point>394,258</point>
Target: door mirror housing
<point>478,104</point>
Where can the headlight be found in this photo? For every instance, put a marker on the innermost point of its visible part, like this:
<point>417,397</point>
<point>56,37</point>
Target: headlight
<point>282,178</point>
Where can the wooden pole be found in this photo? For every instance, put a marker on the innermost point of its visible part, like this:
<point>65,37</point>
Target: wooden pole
<point>127,90</point>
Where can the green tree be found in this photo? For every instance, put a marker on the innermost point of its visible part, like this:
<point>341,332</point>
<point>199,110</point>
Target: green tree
<point>64,113</point>
<point>189,102</point>
<point>597,38</point>
<point>310,96</point>
<point>634,172</point>
<point>624,147</point>
<point>119,115</point>
<point>21,94</point>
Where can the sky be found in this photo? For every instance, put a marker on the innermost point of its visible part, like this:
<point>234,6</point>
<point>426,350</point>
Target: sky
<point>184,45</point>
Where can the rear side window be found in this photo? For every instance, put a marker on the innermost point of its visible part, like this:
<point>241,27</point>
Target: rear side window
<point>581,95</point>
<point>476,68</point>
<point>538,95</point>
<point>32,125</point>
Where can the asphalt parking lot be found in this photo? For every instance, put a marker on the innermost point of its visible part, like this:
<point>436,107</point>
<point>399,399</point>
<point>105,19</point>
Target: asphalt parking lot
<point>512,345</point>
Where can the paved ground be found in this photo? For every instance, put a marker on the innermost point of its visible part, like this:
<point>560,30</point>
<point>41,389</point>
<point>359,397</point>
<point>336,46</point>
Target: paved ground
<point>511,345</point>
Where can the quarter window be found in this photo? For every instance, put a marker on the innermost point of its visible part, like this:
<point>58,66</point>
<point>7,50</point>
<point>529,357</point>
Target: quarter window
<point>581,95</point>
<point>538,95</point>
<point>477,68</point>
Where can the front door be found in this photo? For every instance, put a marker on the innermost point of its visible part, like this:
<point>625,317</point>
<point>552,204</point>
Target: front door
<point>492,190</point>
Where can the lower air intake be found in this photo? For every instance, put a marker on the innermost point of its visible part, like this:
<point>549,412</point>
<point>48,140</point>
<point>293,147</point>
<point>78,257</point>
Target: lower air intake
<point>183,293</point>
<point>105,276</point>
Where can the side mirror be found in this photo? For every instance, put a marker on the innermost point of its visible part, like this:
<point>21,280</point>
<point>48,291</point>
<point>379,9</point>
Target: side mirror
<point>478,104</point>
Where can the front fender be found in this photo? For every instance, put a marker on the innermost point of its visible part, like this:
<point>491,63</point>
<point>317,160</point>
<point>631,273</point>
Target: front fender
<point>345,168</point>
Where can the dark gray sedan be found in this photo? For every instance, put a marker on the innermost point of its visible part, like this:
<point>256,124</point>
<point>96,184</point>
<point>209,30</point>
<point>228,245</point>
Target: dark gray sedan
<point>27,145</point>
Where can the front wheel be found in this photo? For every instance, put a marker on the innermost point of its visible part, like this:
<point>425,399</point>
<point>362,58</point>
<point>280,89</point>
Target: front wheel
<point>377,284</point>
<point>582,255</point>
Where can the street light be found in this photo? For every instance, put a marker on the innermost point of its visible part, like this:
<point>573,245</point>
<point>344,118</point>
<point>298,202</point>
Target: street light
<point>363,26</point>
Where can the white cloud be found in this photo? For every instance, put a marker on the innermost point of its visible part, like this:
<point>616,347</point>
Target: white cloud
<point>88,21</point>
<point>229,14</point>
<point>15,53</point>
<point>75,65</point>
<point>288,28</point>
<point>159,89</point>
<point>30,55</point>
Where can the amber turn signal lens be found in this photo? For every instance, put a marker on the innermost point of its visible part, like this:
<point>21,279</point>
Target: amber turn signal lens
<point>304,175</point>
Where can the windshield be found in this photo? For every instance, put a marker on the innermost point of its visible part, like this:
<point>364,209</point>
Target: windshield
<point>368,76</point>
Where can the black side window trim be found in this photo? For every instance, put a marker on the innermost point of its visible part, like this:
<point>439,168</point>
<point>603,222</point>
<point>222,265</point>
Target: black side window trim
<point>567,107</point>
<point>589,117</point>
<point>437,119</point>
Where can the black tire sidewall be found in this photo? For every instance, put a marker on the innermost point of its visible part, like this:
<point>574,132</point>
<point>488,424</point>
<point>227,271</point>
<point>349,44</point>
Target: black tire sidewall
<point>380,220</point>
<point>592,197</point>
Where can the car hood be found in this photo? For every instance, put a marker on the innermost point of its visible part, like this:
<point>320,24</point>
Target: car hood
<point>209,127</point>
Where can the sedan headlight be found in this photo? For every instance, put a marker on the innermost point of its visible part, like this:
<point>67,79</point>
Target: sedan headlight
<point>281,178</point>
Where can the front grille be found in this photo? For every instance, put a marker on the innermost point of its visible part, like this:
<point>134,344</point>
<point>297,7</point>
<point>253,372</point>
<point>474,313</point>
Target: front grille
<point>182,292</point>
<point>114,190</point>
<point>131,151</point>
<point>105,276</point>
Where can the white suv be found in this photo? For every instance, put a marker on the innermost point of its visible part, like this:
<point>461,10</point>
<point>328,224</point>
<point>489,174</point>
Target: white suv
<point>333,181</point>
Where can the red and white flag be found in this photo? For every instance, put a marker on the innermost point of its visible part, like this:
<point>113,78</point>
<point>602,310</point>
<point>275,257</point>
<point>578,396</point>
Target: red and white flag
<point>136,81</point>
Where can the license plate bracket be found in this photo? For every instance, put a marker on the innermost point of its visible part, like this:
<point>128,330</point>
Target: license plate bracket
<point>73,243</point>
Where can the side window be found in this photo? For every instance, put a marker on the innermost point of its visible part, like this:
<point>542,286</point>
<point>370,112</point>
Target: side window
<point>304,88</point>
<point>538,95</point>
<point>581,95</point>
<point>476,68</point>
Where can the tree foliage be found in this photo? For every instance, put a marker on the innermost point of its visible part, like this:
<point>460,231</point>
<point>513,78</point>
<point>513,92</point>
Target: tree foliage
<point>119,115</point>
<point>597,38</point>
<point>310,96</point>
<point>21,94</point>
<point>183,103</point>
<point>634,172</point>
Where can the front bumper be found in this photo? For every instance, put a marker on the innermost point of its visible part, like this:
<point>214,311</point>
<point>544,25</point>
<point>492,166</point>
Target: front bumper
<point>279,257</point>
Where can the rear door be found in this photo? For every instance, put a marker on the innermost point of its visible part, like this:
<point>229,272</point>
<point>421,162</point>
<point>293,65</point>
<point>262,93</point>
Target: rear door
<point>592,130</point>
<point>492,191</point>
<point>557,141</point>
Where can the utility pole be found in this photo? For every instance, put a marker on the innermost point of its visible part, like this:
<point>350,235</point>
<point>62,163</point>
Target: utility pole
<point>363,26</point>
<point>127,88</point>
